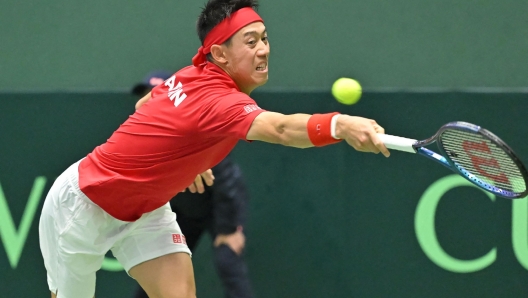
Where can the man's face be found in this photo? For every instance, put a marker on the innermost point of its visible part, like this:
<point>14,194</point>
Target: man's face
<point>247,57</point>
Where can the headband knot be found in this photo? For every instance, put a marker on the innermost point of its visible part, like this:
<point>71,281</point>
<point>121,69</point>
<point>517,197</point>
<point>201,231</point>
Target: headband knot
<point>224,30</point>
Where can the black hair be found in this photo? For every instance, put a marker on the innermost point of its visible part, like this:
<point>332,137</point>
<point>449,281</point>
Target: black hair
<point>140,89</point>
<point>215,11</point>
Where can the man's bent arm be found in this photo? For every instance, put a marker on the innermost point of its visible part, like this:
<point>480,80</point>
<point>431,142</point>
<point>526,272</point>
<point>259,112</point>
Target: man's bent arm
<point>143,100</point>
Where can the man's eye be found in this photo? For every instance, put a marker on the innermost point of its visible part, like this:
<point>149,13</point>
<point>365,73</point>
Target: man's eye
<point>251,42</point>
<point>265,38</point>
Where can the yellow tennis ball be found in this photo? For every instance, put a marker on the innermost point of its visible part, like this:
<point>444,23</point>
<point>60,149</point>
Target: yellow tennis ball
<point>346,91</point>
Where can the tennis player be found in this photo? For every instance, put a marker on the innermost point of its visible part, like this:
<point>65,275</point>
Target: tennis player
<point>116,198</point>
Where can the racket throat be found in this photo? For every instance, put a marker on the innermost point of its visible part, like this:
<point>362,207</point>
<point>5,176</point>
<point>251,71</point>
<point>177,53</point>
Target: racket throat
<point>433,156</point>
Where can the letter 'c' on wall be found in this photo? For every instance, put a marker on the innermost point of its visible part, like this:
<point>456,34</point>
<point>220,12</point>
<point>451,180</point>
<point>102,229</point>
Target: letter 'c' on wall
<point>520,230</point>
<point>424,226</point>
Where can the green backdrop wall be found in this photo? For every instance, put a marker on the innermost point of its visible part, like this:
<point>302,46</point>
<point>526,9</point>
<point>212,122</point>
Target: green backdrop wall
<point>107,45</point>
<point>324,222</point>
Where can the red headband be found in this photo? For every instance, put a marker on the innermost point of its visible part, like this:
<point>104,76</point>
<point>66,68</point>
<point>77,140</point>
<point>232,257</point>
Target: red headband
<point>223,31</point>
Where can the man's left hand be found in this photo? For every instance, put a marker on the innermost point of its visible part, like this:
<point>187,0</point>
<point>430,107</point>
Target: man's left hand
<point>198,184</point>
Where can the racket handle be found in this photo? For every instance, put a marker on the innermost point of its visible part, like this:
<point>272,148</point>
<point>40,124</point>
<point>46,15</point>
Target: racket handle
<point>398,143</point>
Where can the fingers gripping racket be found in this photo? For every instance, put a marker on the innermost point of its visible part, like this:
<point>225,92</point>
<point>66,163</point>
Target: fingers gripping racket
<point>473,152</point>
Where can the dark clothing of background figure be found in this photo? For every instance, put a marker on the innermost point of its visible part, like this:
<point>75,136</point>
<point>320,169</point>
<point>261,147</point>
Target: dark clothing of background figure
<point>219,210</point>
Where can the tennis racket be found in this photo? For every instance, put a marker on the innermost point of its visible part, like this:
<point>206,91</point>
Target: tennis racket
<point>473,152</point>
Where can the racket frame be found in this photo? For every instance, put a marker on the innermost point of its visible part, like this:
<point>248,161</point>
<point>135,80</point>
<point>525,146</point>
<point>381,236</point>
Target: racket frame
<point>472,128</point>
<point>444,157</point>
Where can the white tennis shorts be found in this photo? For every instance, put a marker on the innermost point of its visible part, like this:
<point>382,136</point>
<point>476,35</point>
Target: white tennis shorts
<point>75,234</point>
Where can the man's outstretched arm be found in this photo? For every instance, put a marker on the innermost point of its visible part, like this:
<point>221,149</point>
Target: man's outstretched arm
<point>297,130</point>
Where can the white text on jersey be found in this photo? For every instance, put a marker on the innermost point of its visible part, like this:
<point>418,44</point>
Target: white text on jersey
<point>175,92</point>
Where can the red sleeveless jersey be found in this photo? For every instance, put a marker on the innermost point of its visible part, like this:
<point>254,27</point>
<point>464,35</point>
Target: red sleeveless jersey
<point>191,122</point>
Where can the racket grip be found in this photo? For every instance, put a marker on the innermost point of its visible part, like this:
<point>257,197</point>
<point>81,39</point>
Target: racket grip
<point>398,143</point>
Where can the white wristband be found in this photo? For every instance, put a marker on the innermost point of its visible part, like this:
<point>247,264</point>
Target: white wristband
<point>333,126</point>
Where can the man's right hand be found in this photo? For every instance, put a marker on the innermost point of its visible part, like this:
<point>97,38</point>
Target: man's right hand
<point>236,241</point>
<point>361,133</point>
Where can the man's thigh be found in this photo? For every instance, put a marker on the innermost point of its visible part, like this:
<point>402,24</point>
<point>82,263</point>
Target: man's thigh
<point>154,235</point>
<point>170,275</point>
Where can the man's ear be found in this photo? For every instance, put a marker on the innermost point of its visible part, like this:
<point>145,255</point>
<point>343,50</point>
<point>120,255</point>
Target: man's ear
<point>218,54</point>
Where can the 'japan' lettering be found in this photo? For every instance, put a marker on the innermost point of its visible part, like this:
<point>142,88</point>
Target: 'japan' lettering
<point>175,92</point>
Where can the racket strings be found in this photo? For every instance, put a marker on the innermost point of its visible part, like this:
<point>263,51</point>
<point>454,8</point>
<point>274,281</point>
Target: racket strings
<point>483,158</point>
